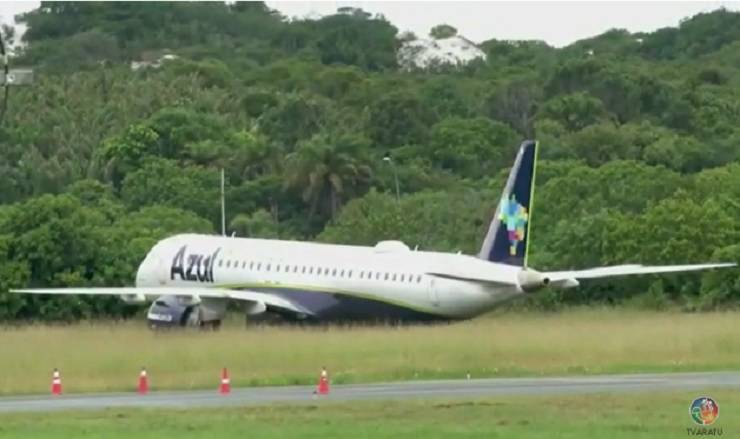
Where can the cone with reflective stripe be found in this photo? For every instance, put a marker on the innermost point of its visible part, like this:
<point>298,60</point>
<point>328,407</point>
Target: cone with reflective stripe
<point>143,382</point>
<point>225,387</point>
<point>323,387</point>
<point>56,382</point>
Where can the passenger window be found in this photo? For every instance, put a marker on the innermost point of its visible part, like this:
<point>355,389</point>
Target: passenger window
<point>362,274</point>
<point>377,276</point>
<point>287,268</point>
<point>386,276</point>
<point>401,277</point>
<point>349,274</point>
<point>268,267</point>
<point>220,262</point>
<point>295,269</point>
<point>303,269</point>
<point>341,273</point>
<point>244,264</point>
<point>251,265</point>
<point>418,278</point>
<point>334,272</point>
<point>228,263</point>
<point>277,267</point>
<point>394,277</point>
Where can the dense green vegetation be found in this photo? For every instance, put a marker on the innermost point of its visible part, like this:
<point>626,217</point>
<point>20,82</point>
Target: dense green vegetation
<point>640,139</point>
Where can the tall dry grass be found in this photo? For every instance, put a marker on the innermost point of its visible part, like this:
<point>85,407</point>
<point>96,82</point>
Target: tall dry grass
<point>105,357</point>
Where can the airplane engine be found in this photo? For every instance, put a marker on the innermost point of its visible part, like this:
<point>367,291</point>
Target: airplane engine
<point>530,281</point>
<point>174,312</point>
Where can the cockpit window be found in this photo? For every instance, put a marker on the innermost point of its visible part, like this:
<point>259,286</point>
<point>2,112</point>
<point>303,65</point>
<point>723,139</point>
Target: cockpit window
<point>161,303</point>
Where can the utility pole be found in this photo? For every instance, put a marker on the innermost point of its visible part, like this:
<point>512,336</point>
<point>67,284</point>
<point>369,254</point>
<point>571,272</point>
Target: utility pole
<point>10,77</point>
<point>388,159</point>
<point>223,205</point>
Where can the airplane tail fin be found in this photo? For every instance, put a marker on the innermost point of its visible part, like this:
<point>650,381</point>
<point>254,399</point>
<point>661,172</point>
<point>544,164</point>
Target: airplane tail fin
<point>508,235</point>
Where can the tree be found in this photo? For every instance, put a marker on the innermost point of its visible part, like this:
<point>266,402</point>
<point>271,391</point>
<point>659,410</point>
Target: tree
<point>356,39</point>
<point>327,168</point>
<point>46,245</point>
<point>515,104</point>
<point>124,153</point>
<point>472,147</point>
<point>443,221</point>
<point>297,117</point>
<point>574,111</point>
<point>260,224</point>
<point>683,154</point>
<point>442,31</point>
<point>399,118</point>
<point>675,230</point>
<point>719,287</point>
<point>600,143</point>
<point>163,183</point>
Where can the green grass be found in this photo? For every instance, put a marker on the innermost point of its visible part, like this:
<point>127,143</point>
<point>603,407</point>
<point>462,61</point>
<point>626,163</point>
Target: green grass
<point>107,357</point>
<point>643,415</point>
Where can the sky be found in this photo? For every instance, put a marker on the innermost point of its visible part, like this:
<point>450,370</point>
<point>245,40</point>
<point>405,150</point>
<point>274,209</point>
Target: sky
<point>558,23</point>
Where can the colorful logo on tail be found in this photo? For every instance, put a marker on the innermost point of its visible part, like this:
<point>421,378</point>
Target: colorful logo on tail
<point>704,410</point>
<point>515,217</point>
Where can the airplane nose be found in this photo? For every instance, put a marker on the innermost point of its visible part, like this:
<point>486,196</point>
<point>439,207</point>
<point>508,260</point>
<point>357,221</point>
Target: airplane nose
<point>148,274</point>
<point>143,276</point>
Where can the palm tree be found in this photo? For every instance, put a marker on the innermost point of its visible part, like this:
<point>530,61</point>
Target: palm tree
<point>326,168</point>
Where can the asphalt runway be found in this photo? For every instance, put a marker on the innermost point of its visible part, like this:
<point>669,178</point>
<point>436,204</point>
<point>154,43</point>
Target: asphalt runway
<point>457,389</point>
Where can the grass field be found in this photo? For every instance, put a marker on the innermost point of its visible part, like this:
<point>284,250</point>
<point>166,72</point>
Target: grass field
<point>663,415</point>
<point>108,357</point>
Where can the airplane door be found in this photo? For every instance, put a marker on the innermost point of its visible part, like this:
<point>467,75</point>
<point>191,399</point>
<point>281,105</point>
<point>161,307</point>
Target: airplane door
<point>433,295</point>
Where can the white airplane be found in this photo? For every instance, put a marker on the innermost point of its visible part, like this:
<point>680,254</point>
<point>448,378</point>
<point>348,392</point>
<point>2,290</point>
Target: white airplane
<point>192,277</point>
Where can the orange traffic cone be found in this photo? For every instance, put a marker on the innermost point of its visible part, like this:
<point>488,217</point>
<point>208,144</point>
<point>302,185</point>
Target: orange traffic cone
<point>323,387</point>
<point>225,387</point>
<point>143,382</point>
<point>56,382</point>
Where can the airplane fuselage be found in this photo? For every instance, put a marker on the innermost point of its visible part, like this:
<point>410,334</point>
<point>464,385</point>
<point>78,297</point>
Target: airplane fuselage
<point>331,282</point>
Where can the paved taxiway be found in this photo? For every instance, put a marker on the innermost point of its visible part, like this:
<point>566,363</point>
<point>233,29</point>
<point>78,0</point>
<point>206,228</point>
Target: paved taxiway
<point>698,382</point>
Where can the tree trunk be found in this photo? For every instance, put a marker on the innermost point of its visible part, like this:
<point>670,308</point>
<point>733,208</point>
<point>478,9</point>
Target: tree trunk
<point>333,200</point>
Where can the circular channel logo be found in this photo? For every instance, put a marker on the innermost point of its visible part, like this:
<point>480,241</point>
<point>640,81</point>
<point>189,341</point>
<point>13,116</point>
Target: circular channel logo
<point>704,410</point>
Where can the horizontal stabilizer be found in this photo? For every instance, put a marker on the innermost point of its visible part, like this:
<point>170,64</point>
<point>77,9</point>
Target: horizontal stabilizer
<point>625,270</point>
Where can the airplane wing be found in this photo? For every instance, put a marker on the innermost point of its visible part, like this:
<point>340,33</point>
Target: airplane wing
<point>562,277</point>
<point>134,293</point>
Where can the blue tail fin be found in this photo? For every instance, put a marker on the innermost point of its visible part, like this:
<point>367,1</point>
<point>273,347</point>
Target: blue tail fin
<point>508,235</point>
